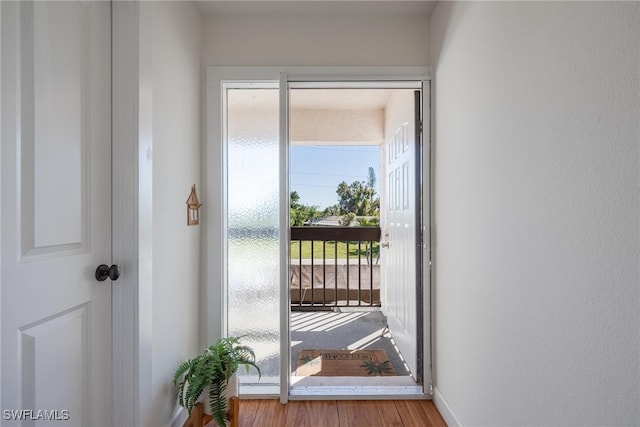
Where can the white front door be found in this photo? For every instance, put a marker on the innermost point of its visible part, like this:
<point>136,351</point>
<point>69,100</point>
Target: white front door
<point>56,351</point>
<point>399,226</point>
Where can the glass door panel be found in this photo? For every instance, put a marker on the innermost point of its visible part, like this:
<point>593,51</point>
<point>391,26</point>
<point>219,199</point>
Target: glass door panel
<point>251,138</point>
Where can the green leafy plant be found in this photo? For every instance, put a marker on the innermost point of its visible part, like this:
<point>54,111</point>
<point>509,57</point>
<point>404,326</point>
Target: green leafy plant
<point>212,368</point>
<point>374,368</point>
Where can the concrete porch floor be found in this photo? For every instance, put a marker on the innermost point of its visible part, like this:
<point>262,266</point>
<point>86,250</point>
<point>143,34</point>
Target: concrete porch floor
<point>350,328</point>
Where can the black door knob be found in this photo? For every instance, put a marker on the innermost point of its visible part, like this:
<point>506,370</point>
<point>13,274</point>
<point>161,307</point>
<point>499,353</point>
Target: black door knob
<point>104,271</point>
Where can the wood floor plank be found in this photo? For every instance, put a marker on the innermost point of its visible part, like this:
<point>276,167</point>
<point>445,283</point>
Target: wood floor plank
<point>306,413</point>
<point>419,413</point>
<point>342,413</point>
<point>358,413</point>
<point>248,412</point>
<point>260,413</point>
<point>388,413</point>
<point>382,413</point>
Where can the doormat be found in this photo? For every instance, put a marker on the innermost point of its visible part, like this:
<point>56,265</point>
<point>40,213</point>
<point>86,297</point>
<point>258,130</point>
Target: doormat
<point>344,363</point>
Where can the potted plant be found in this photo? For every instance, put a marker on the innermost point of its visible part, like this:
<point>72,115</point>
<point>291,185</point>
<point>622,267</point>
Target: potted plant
<point>213,368</point>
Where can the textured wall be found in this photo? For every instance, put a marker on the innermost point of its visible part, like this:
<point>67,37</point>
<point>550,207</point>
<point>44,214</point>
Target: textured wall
<point>339,127</point>
<point>536,212</point>
<point>176,71</point>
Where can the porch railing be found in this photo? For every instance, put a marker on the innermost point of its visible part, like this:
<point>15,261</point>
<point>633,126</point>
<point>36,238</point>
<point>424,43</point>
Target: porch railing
<point>334,267</point>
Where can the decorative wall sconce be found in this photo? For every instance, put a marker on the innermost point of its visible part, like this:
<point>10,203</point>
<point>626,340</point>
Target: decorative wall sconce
<point>193,207</point>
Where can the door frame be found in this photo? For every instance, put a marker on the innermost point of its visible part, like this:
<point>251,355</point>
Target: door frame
<point>214,184</point>
<point>132,210</point>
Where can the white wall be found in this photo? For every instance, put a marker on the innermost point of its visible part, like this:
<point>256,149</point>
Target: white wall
<point>536,212</point>
<point>176,71</point>
<point>321,40</point>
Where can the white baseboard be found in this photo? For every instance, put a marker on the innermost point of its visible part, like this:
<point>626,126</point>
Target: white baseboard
<point>179,417</point>
<point>445,409</point>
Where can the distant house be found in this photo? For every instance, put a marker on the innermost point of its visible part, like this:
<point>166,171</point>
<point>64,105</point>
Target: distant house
<point>330,221</point>
<point>336,221</point>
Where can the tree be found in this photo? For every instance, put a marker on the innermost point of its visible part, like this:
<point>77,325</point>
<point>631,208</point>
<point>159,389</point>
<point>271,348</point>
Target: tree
<point>347,219</point>
<point>369,222</point>
<point>299,213</point>
<point>359,197</point>
<point>331,211</point>
<point>371,181</point>
<point>371,184</point>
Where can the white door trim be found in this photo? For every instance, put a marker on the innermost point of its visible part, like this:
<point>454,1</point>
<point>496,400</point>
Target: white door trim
<point>427,229</point>
<point>285,235</point>
<point>132,211</point>
<point>1,197</point>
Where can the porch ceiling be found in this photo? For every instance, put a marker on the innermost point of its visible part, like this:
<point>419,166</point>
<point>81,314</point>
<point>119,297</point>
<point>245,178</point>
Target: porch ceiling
<point>319,99</point>
<point>339,99</point>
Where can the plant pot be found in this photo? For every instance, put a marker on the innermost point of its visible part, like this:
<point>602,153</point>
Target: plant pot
<point>231,394</point>
<point>233,389</point>
<point>233,402</point>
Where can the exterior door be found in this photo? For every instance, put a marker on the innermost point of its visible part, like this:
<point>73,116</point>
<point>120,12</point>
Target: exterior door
<point>56,350</point>
<point>400,226</point>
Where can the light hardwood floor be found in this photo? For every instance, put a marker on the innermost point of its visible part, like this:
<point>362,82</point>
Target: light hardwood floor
<point>340,413</point>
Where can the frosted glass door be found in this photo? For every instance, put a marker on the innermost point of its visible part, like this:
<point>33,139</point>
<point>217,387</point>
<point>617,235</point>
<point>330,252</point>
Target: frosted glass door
<point>252,226</point>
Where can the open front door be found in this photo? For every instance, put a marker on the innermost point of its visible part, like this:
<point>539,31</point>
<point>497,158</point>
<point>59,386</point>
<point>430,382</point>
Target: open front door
<point>400,226</point>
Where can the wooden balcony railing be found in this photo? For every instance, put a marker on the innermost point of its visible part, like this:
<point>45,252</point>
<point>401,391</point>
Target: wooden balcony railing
<point>334,267</point>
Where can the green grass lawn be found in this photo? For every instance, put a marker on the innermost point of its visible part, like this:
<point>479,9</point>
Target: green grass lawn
<point>330,251</point>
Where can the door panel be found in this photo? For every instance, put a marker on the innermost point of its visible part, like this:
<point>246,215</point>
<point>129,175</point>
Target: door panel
<point>398,259</point>
<point>56,211</point>
<point>52,94</point>
<point>252,226</point>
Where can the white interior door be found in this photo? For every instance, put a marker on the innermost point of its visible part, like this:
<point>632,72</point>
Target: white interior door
<point>399,226</point>
<point>56,346</point>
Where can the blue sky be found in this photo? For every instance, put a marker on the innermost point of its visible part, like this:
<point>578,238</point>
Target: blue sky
<point>316,171</point>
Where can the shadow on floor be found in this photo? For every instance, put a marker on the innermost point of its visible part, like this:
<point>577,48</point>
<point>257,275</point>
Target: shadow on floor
<point>352,330</point>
